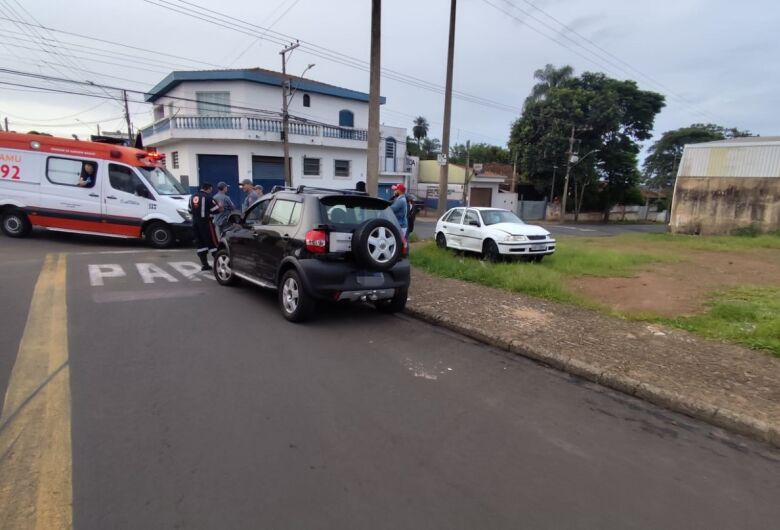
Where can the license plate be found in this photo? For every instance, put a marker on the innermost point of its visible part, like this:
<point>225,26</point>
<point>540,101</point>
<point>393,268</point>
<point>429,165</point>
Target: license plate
<point>340,241</point>
<point>538,247</point>
<point>370,279</point>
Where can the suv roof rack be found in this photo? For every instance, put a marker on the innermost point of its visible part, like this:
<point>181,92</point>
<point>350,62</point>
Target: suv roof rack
<point>304,189</point>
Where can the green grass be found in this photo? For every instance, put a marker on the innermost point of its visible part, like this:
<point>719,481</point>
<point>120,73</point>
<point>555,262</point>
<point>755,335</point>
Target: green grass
<point>545,280</point>
<point>746,315</point>
<point>676,242</point>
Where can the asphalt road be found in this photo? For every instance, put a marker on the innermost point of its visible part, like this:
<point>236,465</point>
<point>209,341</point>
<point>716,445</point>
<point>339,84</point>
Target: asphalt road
<point>424,228</point>
<point>199,406</point>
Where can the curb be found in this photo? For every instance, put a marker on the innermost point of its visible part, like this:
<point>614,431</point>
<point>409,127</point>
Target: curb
<point>674,401</point>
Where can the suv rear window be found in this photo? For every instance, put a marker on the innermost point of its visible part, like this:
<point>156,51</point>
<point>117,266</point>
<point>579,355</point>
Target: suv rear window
<point>352,211</point>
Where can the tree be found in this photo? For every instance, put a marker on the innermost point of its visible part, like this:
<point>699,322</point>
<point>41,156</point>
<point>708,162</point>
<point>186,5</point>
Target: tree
<point>610,117</point>
<point>430,148</point>
<point>420,130</point>
<point>549,78</point>
<point>480,153</point>
<point>660,166</point>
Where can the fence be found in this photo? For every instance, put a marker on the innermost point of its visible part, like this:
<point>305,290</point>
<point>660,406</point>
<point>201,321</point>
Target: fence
<point>531,210</point>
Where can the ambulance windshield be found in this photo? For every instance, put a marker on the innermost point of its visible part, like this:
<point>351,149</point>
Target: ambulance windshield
<point>163,182</point>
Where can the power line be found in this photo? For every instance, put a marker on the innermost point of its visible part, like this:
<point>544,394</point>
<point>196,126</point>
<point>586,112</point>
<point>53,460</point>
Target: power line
<point>294,3</point>
<point>206,15</point>
<point>599,57</point>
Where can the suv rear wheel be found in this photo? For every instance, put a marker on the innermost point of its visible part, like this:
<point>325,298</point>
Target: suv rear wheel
<point>294,301</point>
<point>396,304</point>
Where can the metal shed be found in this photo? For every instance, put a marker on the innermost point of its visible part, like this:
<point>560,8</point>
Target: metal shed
<point>728,185</point>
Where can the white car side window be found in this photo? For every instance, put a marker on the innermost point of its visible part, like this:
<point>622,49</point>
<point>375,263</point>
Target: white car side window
<point>471,217</point>
<point>456,216</point>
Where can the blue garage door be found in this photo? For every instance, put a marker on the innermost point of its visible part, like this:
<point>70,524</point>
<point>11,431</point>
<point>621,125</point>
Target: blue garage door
<point>220,168</point>
<point>268,171</point>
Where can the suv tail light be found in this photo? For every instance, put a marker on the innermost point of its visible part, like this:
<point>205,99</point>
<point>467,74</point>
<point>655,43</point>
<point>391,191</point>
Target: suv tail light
<point>317,241</point>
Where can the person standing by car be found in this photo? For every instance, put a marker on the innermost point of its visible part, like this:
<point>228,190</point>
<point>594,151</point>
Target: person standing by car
<point>412,216</point>
<point>251,194</point>
<point>400,207</point>
<point>202,207</point>
<point>226,207</point>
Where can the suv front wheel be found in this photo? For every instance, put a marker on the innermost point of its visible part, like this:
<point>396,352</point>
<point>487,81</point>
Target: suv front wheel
<point>296,304</point>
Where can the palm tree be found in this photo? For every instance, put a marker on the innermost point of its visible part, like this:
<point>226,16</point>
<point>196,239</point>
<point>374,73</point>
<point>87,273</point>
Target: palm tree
<point>548,78</point>
<point>420,130</point>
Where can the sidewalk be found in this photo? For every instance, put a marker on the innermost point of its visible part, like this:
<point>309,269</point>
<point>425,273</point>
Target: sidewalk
<point>726,385</point>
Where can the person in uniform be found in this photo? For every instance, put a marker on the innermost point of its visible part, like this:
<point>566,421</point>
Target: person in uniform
<point>202,207</point>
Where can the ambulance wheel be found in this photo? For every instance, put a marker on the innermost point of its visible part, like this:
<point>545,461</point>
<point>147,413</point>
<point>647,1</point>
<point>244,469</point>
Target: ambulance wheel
<point>159,235</point>
<point>15,223</point>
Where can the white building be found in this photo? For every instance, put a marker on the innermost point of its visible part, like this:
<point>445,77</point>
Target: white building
<point>212,127</point>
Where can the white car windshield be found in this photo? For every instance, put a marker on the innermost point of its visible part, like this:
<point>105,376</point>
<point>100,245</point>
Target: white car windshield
<point>493,217</point>
<point>163,182</point>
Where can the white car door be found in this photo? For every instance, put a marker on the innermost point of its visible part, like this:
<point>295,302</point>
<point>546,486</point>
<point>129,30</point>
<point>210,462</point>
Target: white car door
<point>451,227</point>
<point>127,199</point>
<point>471,232</point>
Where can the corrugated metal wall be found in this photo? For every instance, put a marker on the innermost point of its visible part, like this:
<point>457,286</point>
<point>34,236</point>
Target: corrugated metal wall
<point>731,161</point>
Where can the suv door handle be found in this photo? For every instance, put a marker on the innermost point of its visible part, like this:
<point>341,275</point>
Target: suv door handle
<point>94,195</point>
<point>110,197</point>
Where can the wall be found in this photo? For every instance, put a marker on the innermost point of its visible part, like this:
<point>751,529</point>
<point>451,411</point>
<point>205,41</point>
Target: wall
<point>254,95</point>
<point>189,151</point>
<point>720,205</point>
<point>429,173</point>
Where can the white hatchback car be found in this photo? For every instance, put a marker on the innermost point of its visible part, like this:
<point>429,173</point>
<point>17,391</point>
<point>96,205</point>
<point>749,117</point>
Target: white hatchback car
<point>494,233</point>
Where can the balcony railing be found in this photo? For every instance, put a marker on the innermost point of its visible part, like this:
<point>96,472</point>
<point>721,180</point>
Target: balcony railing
<point>255,124</point>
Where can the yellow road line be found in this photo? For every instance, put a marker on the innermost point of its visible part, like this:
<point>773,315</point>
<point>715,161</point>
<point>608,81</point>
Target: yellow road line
<point>35,443</point>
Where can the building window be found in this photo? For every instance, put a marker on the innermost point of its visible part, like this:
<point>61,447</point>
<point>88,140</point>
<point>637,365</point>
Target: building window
<point>213,103</point>
<point>341,168</point>
<point>346,118</point>
<point>175,159</point>
<point>311,167</point>
<point>390,148</point>
<point>306,100</point>
<point>159,112</point>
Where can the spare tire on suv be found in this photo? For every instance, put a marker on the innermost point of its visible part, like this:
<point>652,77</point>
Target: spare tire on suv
<point>377,244</point>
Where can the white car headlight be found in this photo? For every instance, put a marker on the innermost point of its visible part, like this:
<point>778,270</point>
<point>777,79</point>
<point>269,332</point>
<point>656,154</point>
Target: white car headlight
<point>515,238</point>
<point>185,215</point>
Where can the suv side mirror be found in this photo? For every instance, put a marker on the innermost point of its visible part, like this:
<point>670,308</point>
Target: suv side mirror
<point>234,218</point>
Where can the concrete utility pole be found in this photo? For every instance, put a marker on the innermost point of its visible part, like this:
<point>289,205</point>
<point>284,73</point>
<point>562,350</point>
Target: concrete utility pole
<point>513,184</point>
<point>466,176</point>
<point>6,124</point>
<point>285,114</point>
<point>127,119</point>
<point>372,156</point>
<point>566,179</point>
<point>552,188</point>
<point>445,135</point>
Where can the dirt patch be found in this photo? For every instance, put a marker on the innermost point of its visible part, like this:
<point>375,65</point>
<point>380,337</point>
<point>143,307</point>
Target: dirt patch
<point>676,289</point>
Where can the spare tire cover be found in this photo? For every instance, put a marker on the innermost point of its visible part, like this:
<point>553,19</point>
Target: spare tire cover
<point>377,244</point>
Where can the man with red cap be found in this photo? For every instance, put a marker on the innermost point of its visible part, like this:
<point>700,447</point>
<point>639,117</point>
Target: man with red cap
<point>400,207</point>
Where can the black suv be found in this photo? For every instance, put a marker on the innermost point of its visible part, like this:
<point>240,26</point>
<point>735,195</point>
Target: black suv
<point>315,244</point>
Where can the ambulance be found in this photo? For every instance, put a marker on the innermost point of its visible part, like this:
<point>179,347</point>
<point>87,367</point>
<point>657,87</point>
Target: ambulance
<point>89,188</point>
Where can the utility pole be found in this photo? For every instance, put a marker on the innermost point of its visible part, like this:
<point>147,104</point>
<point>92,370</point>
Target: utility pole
<point>372,156</point>
<point>6,124</point>
<point>127,118</point>
<point>552,188</point>
<point>98,129</point>
<point>285,114</point>
<point>466,175</point>
<point>445,135</point>
<point>566,179</point>
<point>513,184</point>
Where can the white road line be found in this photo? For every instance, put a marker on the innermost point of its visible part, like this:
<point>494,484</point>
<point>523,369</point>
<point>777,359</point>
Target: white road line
<point>188,269</point>
<point>150,271</point>
<point>108,270</point>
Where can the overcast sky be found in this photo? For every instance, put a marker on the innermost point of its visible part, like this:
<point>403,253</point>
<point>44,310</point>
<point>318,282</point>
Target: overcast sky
<point>715,60</point>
